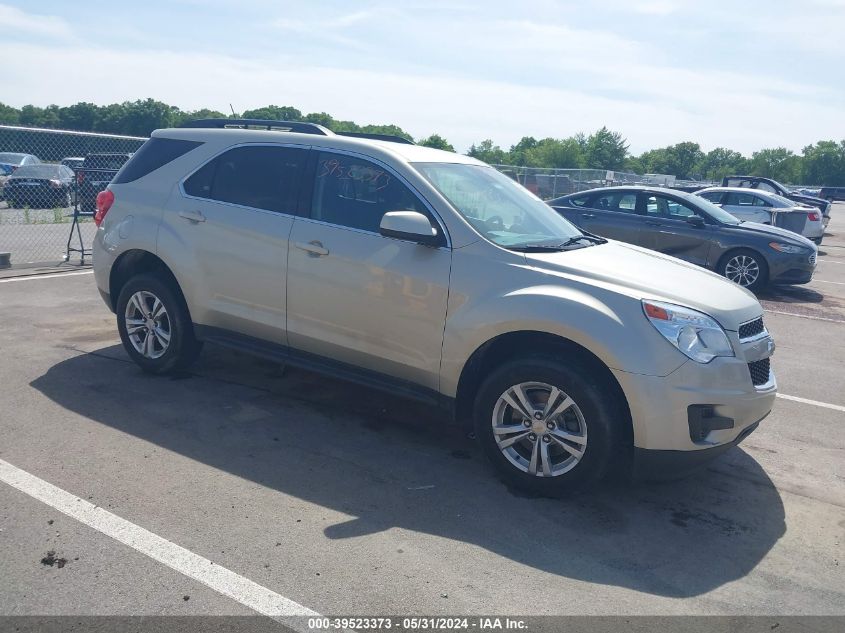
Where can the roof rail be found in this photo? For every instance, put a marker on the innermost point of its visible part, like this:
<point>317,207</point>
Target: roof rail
<point>378,137</point>
<point>261,124</point>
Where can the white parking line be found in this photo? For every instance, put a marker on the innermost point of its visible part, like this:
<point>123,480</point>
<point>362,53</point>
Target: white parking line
<point>816,403</point>
<point>825,281</point>
<point>805,316</point>
<point>828,261</point>
<point>9,280</point>
<point>220,579</point>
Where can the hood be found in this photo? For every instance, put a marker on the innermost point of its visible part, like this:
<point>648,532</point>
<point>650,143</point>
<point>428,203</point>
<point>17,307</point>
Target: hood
<point>782,235</point>
<point>643,274</point>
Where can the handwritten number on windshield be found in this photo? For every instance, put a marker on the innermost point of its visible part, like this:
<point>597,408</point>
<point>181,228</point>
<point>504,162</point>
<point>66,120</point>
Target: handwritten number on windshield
<point>377,179</point>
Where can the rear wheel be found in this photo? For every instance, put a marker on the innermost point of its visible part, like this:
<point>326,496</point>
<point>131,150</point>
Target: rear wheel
<point>155,326</point>
<point>746,268</point>
<point>548,427</point>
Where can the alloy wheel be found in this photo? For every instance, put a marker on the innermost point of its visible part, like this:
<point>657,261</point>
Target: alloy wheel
<point>539,429</point>
<point>147,324</point>
<point>743,270</point>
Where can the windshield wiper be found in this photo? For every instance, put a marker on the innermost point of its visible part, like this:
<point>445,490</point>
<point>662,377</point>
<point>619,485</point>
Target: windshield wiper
<point>551,248</point>
<point>595,239</point>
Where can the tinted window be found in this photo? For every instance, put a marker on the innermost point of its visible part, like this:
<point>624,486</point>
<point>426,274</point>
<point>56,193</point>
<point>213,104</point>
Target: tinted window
<point>43,171</point>
<point>767,187</point>
<point>105,161</point>
<point>580,201</point>
<point>738,199</point>
<point>625,202</point>
<point>712,196</point>
<point>670,208</point>
<point>356,193</point>
<point>153,154</point>
<point>263,177</point>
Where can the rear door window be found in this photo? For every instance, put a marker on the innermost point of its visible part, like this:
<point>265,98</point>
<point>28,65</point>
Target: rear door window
<point>258,176</point>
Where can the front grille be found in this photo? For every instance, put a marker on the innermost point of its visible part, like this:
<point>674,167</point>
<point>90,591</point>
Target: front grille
<point>752,328</point>
<point>813,259</point>
<point>759,371</point>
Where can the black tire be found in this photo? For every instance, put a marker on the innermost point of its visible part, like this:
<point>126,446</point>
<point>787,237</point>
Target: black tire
<point>604,416</point>
<point>182,348</point>
<point>12,203</point>
<point>762,279</point>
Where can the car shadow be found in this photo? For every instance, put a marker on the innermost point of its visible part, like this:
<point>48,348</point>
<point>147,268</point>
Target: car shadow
<point>790,294</point>
<point>392,463</point>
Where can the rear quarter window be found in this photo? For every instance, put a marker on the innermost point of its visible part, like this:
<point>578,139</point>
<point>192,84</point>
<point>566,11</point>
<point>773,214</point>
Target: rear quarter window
<point>153,154</point>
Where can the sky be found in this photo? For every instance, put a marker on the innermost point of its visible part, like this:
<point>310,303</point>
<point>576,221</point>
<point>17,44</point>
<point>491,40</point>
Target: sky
<point>743,74</point>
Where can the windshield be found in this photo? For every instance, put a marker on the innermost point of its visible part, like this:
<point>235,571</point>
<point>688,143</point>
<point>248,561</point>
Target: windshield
<point>42,171</point>
<point>11,158</point>
<point>714,211</point>
<point>501,210</point>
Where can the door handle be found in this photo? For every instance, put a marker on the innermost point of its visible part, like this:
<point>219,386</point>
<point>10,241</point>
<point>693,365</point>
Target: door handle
<point>192,216</point>
<point>589,216</point>
<point>314,248</point>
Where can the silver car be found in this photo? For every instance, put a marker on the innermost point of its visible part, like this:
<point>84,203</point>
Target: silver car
<point>430,274</point>
<point>754,205</point>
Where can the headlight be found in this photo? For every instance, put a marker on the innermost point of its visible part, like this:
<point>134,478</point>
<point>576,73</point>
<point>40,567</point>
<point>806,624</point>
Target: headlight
<point>695,334</point>
<point>780,247</point>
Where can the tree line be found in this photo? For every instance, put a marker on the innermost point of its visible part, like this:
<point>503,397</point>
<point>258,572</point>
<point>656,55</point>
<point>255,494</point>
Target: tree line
<point>820,163</point>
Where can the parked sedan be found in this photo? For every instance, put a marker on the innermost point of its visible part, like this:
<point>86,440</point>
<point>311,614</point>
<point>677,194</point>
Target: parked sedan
<point>754,205</point>
<point>40,186</point>
<point>773,186</point>
<point>16,159</point>
<point>693,229</point>
<point>5,172</point>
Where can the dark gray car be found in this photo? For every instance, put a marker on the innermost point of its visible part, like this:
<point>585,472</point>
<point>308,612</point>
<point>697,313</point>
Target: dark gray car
<point>695,230</point>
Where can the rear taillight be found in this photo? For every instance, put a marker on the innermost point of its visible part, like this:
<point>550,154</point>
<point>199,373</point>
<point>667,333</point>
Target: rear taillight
<point>814,216</point>
<point>104,201</point>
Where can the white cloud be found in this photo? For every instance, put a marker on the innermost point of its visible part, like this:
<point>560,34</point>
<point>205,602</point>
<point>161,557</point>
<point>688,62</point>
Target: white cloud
<point>16,22</point>
<point>464,110</point>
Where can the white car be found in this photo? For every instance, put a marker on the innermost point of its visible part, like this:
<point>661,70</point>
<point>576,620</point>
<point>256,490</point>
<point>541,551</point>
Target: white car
<point>754,205</point>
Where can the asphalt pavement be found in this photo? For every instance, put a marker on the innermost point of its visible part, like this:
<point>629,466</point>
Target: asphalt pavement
<point>340,500</point>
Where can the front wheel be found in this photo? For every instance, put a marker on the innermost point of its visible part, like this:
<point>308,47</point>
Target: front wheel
<point>746,268</point>
<point>155,326</point>
<point>547,426</point>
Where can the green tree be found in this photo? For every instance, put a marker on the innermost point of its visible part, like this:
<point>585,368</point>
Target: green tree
<point>778,163</point>
<point>9,115</point>
<point>553,152</point>
<point>824,164</point>
<point>518,153</point>
<point>81,116</point>
<point>721,162</point>
<point>605,150</point>
<point>438,142</point>
<point>274,113</point>
<point>486,152</point>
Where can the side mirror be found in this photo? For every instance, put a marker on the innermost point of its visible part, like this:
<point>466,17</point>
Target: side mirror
<point>409,225</point>
<point>696,220</point>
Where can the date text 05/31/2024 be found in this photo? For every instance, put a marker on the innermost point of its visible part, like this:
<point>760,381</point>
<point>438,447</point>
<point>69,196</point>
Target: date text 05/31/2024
<point>416,623</point>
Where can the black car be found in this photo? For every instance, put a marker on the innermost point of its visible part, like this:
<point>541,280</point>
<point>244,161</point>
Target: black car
<point>773,186</point>
<point>40,186</point>
<point>94,175</point>
<point>832,194</point>
<point>695,230</point>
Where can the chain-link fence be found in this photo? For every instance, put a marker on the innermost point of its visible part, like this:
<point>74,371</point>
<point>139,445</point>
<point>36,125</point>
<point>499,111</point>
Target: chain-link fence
<point>49,181</point>
<point>550,183</point>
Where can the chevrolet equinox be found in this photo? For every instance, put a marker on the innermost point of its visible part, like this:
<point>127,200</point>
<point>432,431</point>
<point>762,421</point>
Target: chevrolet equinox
<point>430,274</point>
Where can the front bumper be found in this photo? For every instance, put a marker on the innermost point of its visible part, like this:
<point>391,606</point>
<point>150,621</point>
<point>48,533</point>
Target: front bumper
<point>655,465</point>
<point>660,406</point>
<point>797,268</point>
